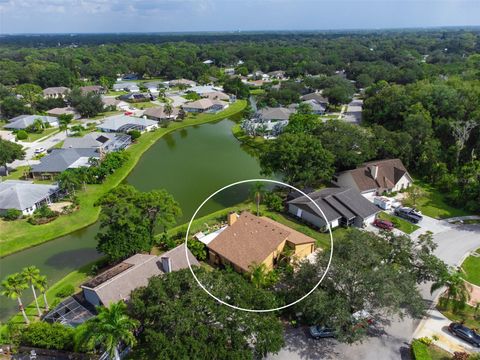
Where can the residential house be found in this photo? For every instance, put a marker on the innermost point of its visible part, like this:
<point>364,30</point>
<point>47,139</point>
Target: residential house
<point>59,160</point>
<point>216,95</point>
<point>204,105</point>
<point>204,89</point>
<point>277,75</point>
<point>317,96</point>
<point>376,177</point>
<point>229,71</point>
<point>25,195</point>
<point>124,123</point>
<point>55,92</point>
<point>135,97</point>
<point>111,102</point>
<point>249,240</point>
<point>96,89</point>
<point>341,206</point>
<point>117,283</point>
<point>159,114</point>
<point>185,82</point>
<point>153,86</point>
<point>56,112</point>
<point>102,142</point>
<point>126,86</point>
<point>208,62</point>
<point>22,122</point>
<point>317,108</point>
<point>268,121</point>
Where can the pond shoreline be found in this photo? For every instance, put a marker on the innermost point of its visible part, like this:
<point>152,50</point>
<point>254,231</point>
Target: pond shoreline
<point>21,235</point>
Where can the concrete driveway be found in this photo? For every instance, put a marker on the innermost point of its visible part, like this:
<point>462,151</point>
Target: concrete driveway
<point>353,114</point>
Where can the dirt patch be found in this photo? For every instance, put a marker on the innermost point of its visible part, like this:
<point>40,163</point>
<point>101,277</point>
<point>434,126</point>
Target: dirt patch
<point>59,206</point>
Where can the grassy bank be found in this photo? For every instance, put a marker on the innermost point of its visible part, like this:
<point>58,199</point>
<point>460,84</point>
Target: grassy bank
<point>471,268</point>
<point>256,142</point>
<point>19,235</point>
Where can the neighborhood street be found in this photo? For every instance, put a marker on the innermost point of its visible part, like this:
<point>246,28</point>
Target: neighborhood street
<point>454,243</point>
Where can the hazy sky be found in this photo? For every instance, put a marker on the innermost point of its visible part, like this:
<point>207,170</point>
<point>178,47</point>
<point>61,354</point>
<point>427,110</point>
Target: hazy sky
<point>50,16</point>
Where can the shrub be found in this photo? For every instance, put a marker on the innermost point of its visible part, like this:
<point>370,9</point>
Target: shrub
<point>273,202</point>
<point>420,351</point>
<point>134,134</point>
<point>12,214</point>
<point>22,135</point>
<point>45,212</point>
<point>65,291</point>
<point>48,336</point>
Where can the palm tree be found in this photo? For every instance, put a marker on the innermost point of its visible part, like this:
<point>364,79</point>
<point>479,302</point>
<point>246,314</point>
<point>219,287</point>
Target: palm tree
<point>168,109</point>
<point>12,287</point>
<point>31,274</point>
<point>41,284</point>
<point>260,276</point>
<point>108,329</point>
<point>457,288</point>
<point>64,120</point>
<point>257,191</point>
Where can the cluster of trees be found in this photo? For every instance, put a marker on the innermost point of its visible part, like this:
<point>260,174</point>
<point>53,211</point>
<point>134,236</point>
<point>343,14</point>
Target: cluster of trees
<point>14,285</point>
<point>87,104</point>
<point>9,152</point>
<point>129,220</point>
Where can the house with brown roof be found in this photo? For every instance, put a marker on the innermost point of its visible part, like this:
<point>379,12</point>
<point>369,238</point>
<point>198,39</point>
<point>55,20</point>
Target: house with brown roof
<point>96,89</point>
<point>55,92</point>
<point>119,281</point>
<point>204,105</point>
<point>250,239</point>
<point>158,114</point>
<point>376,177</point>
<point>64,111</point>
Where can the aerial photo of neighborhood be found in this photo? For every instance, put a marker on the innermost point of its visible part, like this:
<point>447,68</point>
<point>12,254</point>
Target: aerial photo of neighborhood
<point>244,179</point>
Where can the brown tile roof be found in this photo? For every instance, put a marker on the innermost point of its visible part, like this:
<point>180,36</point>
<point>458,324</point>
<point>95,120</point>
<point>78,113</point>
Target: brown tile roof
<point>252,239</point>
<point>389,173</point>
<point>159,112</point>
<point>202,104</point>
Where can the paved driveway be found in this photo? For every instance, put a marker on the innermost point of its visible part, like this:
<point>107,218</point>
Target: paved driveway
<point>353,114</point>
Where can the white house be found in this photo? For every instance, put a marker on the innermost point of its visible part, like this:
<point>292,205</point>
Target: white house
<point>124,123</point>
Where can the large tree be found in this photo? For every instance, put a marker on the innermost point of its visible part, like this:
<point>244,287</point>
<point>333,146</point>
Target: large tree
<point>181,321</point>
<point>129,219</point>
<point>87,104</point>
<point>11,107</point>
<point>299,158</point>
<point>9,152</point>
<point>376,273</point>
<point>13,287</point>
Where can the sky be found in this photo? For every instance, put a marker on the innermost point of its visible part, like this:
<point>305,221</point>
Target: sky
<point>111,16</point>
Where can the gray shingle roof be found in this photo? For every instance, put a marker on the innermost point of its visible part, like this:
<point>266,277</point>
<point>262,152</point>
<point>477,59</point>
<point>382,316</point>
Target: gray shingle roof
<point>23,121</point>
<point>20,195</point>
<point>278,113</point>
<point>337,203</point>
<point>61,159</point>
<point>116,123</point>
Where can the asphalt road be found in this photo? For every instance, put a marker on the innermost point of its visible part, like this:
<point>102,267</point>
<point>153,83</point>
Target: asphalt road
<point>454,242</point>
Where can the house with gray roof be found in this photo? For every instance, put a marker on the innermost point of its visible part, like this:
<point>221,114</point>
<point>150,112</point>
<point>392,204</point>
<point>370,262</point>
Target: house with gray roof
<point>341,206</point>
<point>116,283</point>
<point>56,112</point>
<point>268,122</point>
<point>317,108</point>
<point>102,142</point>
<point>25,196</point>
<point>55,92</point>
<point>60,160</point>
<point>126,86</point>
<point>124,123</point>
<point>21,122</point>
<point>317,96</point>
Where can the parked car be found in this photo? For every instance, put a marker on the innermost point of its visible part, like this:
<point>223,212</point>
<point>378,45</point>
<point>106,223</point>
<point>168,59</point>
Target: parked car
<point>383,224</point>
<point>39,151</point>
<point>321,332</point>
<point>408,214</point>
<point>465,333</point>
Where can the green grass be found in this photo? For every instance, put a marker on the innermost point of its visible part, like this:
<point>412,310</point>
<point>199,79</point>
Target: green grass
<point>47,132</point>
<point>116,93</point>
<point>471,267</point>
<point>257,91</point>
<point>434,203</point>
<point>256,142</point>
<point>19,235</point>
<point>144,105</point>
<point>399,223</point>
<point>467,314</point>
<point>437,353</point>
<point>105,114</point>
<point>15,174</point>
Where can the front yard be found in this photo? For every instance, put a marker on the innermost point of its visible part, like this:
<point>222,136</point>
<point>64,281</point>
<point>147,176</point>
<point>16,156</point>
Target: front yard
<point>468,315</point>
<point>471,268</point>
<point>400,224</point>
<point>45,133</point>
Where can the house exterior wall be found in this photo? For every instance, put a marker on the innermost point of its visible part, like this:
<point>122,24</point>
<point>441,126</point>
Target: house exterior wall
<point>403,183</point>
<point>302,250</point>
<point>91,297</point>
<point>308,217</point>
<point>369,195</point>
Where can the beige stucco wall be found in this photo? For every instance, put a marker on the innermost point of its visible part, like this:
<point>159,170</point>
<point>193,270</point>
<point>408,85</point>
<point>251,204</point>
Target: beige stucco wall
<point>303,250</point>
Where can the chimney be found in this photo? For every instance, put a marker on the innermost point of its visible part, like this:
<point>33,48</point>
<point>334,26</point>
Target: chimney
<point>374,171</point>
<point>166,264</point>
<point>231,218</point>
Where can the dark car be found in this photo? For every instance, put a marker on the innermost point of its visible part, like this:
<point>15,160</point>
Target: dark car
<point>320,332</point>
<point>409,214</point>
<point>465,333</point>
<point>383,224</point>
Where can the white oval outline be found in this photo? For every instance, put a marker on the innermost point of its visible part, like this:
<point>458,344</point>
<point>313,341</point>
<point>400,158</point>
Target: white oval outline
<point>259,310</point>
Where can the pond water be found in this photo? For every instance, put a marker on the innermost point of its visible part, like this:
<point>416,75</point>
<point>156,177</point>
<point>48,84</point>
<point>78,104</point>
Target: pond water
<point>190,163</point>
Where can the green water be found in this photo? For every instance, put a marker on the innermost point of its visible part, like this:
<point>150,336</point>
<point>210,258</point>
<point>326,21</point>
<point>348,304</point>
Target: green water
<point>190,163</point>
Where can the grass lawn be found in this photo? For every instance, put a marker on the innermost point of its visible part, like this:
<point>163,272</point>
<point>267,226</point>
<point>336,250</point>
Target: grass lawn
<point>116,93</point>
<point>467,314</point>
<point>434,204</point>
<point>401,224</point>
<point>255,142</point>
<point>19,234</point>
<point>437,353</point>
<point>47,132</point>
<point>15,174</point>
<point>471,267</point>
<point>144,105</point>
<point>257,91</point>
<point>105,114</point>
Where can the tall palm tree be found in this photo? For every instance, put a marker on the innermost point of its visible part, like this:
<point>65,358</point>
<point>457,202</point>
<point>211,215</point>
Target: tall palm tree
<point>31,274</point>
<point>111,327</point>
<point>168,109</point>
<point>457,288</point>
<point>12,287</point>
<point>258,275</point>
<point>257,191</point>
<point>42,284</point>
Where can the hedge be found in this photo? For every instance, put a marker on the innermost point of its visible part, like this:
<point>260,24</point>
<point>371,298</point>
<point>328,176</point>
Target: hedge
<point>420,351</point>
